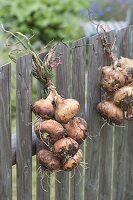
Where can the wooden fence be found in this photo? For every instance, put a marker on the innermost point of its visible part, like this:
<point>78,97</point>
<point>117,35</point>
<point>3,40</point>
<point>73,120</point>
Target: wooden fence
<point>110,157</point>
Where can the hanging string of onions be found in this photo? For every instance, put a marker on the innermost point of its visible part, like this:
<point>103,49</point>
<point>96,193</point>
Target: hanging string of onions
<point>117,84</point>
<point>58,127</point>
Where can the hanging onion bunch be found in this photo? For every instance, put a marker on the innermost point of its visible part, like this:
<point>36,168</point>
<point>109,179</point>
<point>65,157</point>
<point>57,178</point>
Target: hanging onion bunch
<point>117,83</point>
<point>57,125</point>
<point>60,129</point>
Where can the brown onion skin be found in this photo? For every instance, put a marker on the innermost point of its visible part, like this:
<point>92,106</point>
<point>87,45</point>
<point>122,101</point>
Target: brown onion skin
<point>129,114</point>
<point>65,147</point>
<point>65,109</point>
<point>112,79</point>
<point>44,108</point>
<point>77,129</point>
<point>73,162</point>
<point>124,97</point>
<point>128,73</point>
<point>109,111</point>
<point>106,70</point>
<point>48,160</point>
<point>50,130</point>
<point>125,62</point>
<point>126,67</point>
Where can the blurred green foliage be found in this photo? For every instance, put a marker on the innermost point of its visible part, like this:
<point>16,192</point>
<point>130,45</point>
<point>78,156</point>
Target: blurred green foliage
<point>49,19</point>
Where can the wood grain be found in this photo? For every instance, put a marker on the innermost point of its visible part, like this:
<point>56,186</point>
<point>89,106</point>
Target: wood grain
<point>24,128</point>
<point>129,151</point>
<point>78,93</point>
<point>5,134</point>
<point>106,142</point>
<point>99,150</point>
<point>93,119</point>
<point>63,86</point>
<point>123,149</point>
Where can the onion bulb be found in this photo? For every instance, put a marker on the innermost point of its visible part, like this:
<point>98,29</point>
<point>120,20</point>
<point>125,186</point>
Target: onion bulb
<point>106,70</point>
<point>65,109</point>
<point>112,79</point>
<point>49,130</point>
<point>124,97</point>
<point>44,107</point>
<point>48,160</point>
<point>125,62</point>
<point>73,162</point>
<point>128,73</point>
<point>76,129</point>
<point>109,111</point>
<point>65,148</point>
<point>126,68</point>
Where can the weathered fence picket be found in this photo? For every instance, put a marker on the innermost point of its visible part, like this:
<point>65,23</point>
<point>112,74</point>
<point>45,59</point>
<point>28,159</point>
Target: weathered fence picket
<point>93,119</point>
<point>106,141</point>
<point>24,127</point>
<point>123,151</point>
<point>129,149</point>
<point>5,134</point>
<point>109,175</point>
<point>63,86</point>
<point>78,92</point>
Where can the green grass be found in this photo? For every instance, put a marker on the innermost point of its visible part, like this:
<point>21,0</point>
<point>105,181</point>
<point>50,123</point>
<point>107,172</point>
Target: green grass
<point>14,182</point>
